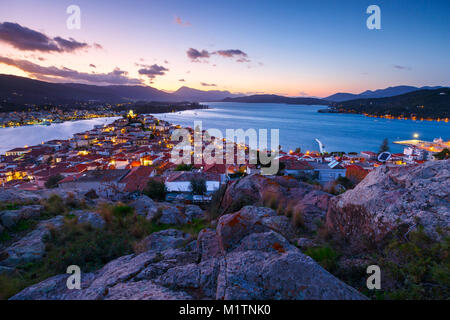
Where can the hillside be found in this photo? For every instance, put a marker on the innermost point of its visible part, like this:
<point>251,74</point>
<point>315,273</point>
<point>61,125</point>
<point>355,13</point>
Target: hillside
<point>380,93</point>
<point>420,104</point>
<point>19,91</point>
<point>189,94</point>
<point>271,98</point>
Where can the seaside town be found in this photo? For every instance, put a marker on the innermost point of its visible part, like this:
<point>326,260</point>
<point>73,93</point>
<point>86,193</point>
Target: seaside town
<point>53,115</point>
<point>124,155</point>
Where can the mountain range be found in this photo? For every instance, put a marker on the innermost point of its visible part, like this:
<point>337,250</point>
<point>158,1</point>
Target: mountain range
<point>20,90</point>
<point>272,98</point>
<point>432,104</point>
<point>380,93</point>
<point>16,90</point>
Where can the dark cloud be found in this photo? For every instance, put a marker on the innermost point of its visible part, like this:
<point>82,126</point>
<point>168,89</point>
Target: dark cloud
<point>152,71</point>
<point>208,84</point>
<point>70,45</point>
<point>181,80</point>
<point>195,54</point>
<point>179,21</point>
<point>399,67</point>
<point>92,65</point>
<point>26,39</point>
<point>231,53</point>
<point>116,76</point>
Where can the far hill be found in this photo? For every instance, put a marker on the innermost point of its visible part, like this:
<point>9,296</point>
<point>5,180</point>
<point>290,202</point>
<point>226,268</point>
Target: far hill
<point>189,94</point>
<point>16,90</point>
<point>271,98</point>
<point>380,93</point>
<point>421,104</point>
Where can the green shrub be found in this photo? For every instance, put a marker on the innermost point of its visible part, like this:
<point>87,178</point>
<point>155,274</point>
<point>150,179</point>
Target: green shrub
<point>416,268</point>
<point>198,186</point>
<point>183,167</point>
<point>325,256</point>
<point>214,209</point>
<point>52,182</point>
<point>298,219</point>
<point>156,190</point>
<point>55,205</point>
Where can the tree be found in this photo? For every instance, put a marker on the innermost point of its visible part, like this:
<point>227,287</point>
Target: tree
<point>384,146</point>
<point>52,182</point>
<point>198,186</point>
<point>444,154</point>
<point>183,167</point>
<point>156,190</point>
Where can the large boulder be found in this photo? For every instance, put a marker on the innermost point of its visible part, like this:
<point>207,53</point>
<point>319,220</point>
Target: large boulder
<point>393,199</point>
<point>144,206</point>
<point>250,219</point>
<point>285,191</point>
<point>193,211</point>
<point>162,240</point>
<point>165,212</point>
<point>9,218</point>
<point>20,196</point>
<point>266,266</point>
<point>92,218</point>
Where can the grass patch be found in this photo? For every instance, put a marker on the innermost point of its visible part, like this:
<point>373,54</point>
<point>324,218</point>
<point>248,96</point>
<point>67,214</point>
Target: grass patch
<point>326,256</point>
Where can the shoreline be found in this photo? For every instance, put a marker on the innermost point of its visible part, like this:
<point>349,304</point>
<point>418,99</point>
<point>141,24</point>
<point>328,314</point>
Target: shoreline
<point>59,122</point>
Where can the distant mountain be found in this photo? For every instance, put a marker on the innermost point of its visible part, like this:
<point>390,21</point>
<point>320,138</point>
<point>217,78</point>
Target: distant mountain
<point>380,93</point>
<point>20,90</point>
<point>189,94</point>
<point>421,103</point>
<point>271,98</point>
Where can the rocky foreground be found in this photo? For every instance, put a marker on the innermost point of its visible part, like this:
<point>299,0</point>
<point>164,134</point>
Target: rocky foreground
<point>250,251</point>
<point>393,200</point>
<point>244,258</point>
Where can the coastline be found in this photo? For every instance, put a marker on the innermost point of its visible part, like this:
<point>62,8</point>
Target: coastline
<point>56,122</point>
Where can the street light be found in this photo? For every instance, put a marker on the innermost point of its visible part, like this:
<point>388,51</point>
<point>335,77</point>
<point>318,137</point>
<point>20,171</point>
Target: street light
<point>415,135</point>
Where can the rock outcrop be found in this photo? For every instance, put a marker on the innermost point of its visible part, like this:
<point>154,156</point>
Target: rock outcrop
<point>92,218</point>
<point>9,218</point>
<point>391,200</point>
<point>244,258</point>
<point>165,212</point>
<point>285,191</point>
<point>32,246</point>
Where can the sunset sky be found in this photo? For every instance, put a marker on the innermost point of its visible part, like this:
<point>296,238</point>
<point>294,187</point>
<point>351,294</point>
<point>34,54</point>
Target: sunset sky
<point>296,48</point>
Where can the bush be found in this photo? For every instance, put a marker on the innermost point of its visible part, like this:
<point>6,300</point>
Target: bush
<point>417,268</point>
<point>325,256</point>
<point>156,190</point>
<point>442,155</point>
<point>198,186</point>
<point>183,167</point>
<point>52,182</point>
<point>345,182</point>
<point>55,205</point>
<point>216,200</point>
<point>298,219</point>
